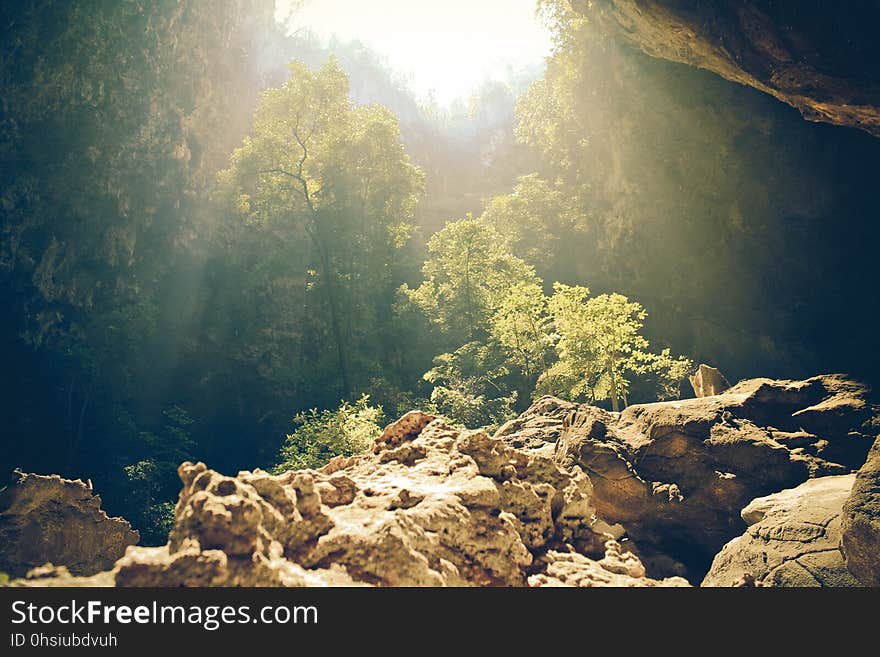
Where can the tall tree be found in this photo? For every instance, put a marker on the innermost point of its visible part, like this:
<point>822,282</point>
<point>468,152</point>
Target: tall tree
<point>319,167</point>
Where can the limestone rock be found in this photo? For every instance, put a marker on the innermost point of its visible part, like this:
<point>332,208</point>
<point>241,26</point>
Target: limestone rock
<point>402,430</point>
<point>792,539</point>
<point>783,51</point>
<point>675,475</point>
<point>429,506</point>
<point>708,381</point>
<point>615,569</point>
<point>540,427</point>
<point>565,495</point>
<point>51,519</point>
<point>861,522</point>
<point>49,575</point>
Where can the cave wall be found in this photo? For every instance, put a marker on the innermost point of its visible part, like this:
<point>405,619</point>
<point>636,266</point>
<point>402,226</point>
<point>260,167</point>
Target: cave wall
<point>819,57</point>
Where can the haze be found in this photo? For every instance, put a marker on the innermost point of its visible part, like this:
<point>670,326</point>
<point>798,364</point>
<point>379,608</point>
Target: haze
<point>444,49</point>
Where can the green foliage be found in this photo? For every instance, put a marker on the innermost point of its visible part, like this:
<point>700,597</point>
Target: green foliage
<point>470,387</point>
<point>321,435</point>
<point>467,274</point>
<point>330,194</point>
<point>542,223</point>
<point>140,283</point>
<point>520,325</point>
<point>600,347</point>
<point>152,481</point>
<point>116,115</point>
<point>668,372</point>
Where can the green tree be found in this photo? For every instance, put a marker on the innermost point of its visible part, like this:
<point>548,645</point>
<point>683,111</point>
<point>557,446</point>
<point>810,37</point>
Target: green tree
<point>471,385</point>
<point>152,479</point>
<point>319,167</point>
<point>468,272</point>
<point>600,346</point>
<point>541,225</point>
<point>520,325</point>
<point>321,435</point>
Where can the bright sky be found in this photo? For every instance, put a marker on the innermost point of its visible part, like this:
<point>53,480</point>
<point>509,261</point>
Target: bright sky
<point>446,46</point>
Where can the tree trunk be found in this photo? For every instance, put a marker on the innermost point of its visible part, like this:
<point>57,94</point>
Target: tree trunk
<point>615,401</point>
<point>335,319</point>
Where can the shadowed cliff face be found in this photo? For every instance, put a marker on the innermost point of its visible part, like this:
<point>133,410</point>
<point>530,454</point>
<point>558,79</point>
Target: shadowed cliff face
<point>749,233</point>
<point>822,59</point>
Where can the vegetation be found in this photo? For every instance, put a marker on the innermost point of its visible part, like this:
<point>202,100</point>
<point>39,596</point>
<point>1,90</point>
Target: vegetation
<point>221,243</point>
<point>321,435</point>
<point>601,348</point>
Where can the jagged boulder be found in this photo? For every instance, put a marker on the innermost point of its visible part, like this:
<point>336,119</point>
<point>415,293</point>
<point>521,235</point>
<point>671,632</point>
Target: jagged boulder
<point>45,518</point>
<point>616,568</point>
<point>675,475</point>
<point>708,381</point>
<point>860,540</point>
<point>431,505</point>
<point>792,539</point>
<point>540,427</point>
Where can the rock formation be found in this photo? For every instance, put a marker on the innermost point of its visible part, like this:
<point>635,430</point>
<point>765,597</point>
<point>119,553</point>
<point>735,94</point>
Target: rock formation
<point>792,539</point>
<point>564,495</point>
<point>50,519</point>
<point>430,506</point>
<point>675,475</point>
<point>861,522</point>
<point>814,56</point>
<point>708,381</point>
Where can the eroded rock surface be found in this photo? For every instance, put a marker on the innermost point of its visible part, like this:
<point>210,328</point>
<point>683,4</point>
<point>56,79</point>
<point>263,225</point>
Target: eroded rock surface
<point>615,569</point>
<point>430,506</point>
<point>792,540</point>
<point>860,541</point>
<point>51,519</point>
<point>817,57</point>
<point>675,475</point>
<point>565,495</point>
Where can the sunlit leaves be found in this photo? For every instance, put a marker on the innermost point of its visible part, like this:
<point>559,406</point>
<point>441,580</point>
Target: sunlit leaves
<point>601,348</point>
<point>520,324</point>
<point>321,435</point>
<point>330,193</point>
<point>470,387</point>
<point>467,275</point>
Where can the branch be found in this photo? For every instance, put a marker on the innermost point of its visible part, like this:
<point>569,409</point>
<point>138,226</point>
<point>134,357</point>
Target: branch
<point>299,178</point>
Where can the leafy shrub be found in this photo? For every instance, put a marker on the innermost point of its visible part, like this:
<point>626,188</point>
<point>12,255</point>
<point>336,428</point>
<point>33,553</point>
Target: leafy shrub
<point>321,435</point>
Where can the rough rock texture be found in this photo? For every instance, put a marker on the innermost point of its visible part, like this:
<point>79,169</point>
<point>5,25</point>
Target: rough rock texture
<point>860,542</point>
<point>708,381</point>
<point>616,568</point>
<point>50,519</point>
<point>430,506</point>
<point>541,426</point>
<point>675,475</point>
<point>814,56</point>
<point>792,540</point>
<point>565,495</point>
<point>49,575</point>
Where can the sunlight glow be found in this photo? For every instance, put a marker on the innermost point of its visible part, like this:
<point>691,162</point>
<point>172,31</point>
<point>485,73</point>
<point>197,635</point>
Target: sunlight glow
<point>445,48</point>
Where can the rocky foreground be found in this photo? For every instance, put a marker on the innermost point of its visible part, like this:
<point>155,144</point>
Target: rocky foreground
<point>753,486</point>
